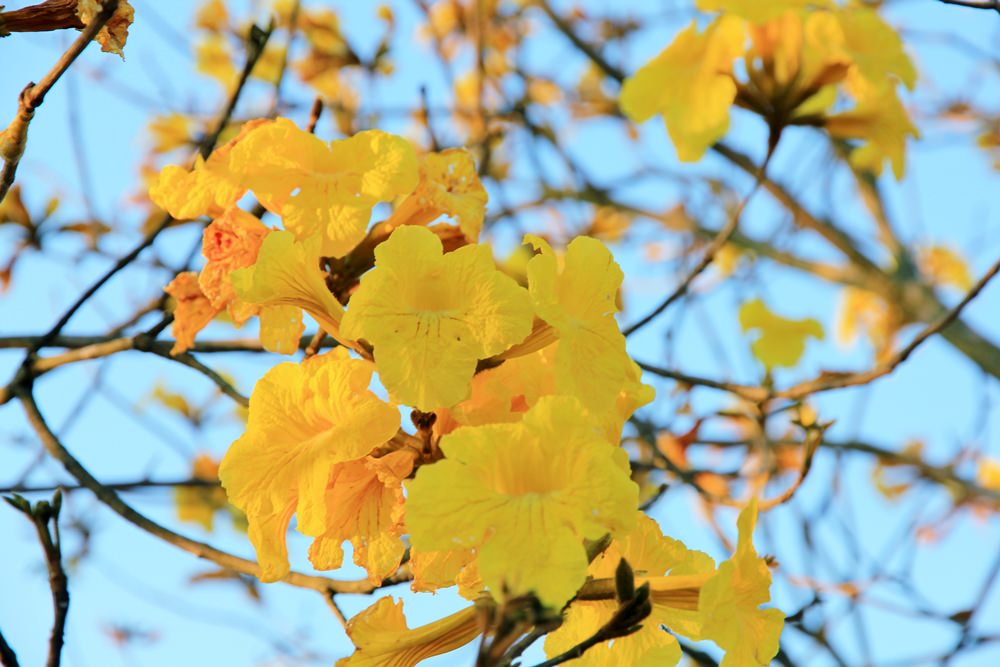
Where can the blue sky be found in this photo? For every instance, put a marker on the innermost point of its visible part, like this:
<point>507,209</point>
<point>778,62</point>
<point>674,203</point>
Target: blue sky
<point>132,580</point>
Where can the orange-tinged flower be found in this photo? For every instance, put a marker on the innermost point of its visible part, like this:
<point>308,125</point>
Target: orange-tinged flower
<point>230,242</point>
<point>325,188</point>
<point>431,316</point>
<point>383,639</point>
<point>513,491</point>
<point>448,185</point>
<point>192,312</point>
<point>691,84</point>
<point>304,420</point>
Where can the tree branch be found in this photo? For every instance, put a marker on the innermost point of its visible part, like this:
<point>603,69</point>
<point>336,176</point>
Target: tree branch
<point>33,95</point>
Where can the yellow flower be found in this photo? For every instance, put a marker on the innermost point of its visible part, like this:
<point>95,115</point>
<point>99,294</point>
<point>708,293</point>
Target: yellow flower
<point>729,604</point>
<point>211,188</point>
<point>525,496</point>
<point>504,393</point>
<point>198,504</point>
<point>192,310</point>
<point>861,311</point>
<point>170,131</point>
<point>448,185</point>
<point>304,420</point>
<point>988,473</point>
<point>364,501</point>
<point>287,273</point>
<point>431,316</point>
<point>691,84</point>
<point>945,266</point>
<point>781,341</point>
<point>578,299</point>
<point>325,188</point>
<point>650,555</point>
<point>881,121</point>
<point>212,15</point>
<point>214,58</point>
<point>383,639</point>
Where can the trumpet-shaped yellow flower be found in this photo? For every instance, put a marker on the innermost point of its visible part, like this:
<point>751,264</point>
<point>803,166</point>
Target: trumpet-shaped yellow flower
<point>650,555</point>
<point>364,501</point>
<point>691,84</point>
<point>525,496</point>
<point>448,185</point>
<point>325,188</point>
<point>579,300</point>
<point>304,420</point>
<point>782,341</point>
<point>287,273</point>
<point>383,639</point>
<point>192,312</point>
<point>431,316</point>
<point>730,602</point>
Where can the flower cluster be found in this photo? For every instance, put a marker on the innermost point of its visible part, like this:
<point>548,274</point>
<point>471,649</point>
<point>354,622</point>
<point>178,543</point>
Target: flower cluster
<point>519,391</point>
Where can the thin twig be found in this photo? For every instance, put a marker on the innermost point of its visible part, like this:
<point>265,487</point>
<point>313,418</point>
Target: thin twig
<point>34,94</point>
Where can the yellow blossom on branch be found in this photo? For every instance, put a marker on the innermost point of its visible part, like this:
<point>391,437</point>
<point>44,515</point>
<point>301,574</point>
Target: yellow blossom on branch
<point>287,273</point>
<point>691,84</point>
<point>729,604</point>
<point>324,188</point>
<point>576,294</point>
<point>382,638</point>
<point>432,315</point>
<point>192,310</point>
<point>526,496</point>
<point>448,185</point>
<point>304,420</point>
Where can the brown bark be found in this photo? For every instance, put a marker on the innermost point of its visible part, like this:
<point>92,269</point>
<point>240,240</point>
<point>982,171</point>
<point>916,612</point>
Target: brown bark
<point>49,15</point>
